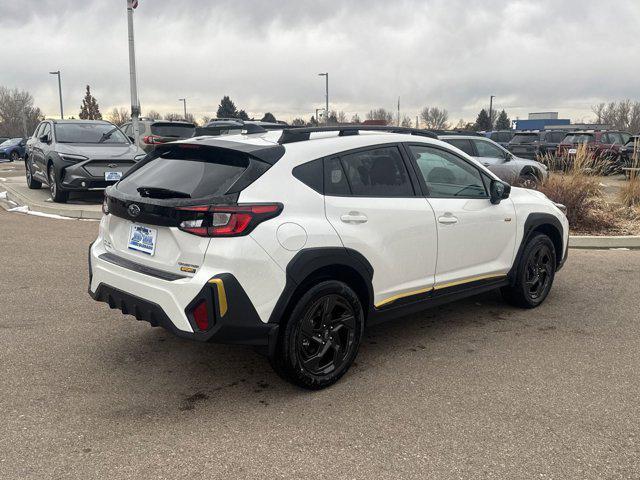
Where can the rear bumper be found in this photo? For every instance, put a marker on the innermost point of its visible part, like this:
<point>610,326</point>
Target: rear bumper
<point>168,304</point>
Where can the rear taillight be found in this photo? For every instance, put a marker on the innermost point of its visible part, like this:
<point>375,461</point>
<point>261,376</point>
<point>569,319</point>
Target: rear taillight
<point>201,315</point>
<point>152,139</point>
<point>227,220</point>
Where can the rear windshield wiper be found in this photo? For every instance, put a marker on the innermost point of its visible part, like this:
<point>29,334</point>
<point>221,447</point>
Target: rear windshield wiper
<point>157,192</point>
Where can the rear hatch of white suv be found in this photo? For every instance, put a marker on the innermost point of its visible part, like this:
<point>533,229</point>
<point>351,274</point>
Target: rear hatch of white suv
<point>165,211</point>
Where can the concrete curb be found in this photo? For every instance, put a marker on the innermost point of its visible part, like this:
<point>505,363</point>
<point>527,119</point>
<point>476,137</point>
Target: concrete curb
<point>21,199</point>
<point>583,241</point>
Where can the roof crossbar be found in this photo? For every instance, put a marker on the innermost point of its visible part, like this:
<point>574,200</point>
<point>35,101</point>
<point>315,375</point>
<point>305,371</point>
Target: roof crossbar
<point>292,135</point>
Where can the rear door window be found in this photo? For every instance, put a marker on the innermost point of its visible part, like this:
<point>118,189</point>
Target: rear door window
<point>186,173</point>
<point>379,172</point>
<point>463,144</point>
<point>173,130</point>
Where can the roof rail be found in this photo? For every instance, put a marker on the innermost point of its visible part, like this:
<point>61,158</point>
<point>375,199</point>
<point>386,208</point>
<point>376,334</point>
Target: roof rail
<point>292,135</point>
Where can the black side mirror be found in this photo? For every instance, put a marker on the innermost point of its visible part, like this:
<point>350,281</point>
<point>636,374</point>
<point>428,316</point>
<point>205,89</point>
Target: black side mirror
<point>508,156</point>
<point>45,139</point>
<point>133,140</point>
<point>498,191</point>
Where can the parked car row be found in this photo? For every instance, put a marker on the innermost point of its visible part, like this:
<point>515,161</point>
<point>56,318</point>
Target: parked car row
<point>12,149</point>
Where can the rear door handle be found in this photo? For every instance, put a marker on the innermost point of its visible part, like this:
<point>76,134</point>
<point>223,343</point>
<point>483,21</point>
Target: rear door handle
<point>448,220</point>
<point>354,217</point>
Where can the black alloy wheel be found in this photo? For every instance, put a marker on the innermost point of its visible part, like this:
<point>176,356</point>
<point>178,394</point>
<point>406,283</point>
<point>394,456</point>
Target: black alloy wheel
<point>319,339</point>
<point>539,271</point>
<point>326,335</point>
<point>534,273</point>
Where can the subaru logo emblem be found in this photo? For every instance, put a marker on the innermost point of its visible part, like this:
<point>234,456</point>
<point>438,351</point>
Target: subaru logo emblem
<point>134,210</point>
<point>112,165</point>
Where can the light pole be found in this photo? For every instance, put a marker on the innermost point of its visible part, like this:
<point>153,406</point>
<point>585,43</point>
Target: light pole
<point>184,102</point>
<point>59,91</point>
<point>491,111</point>
<point>133,81</point>
<point>326,75</point>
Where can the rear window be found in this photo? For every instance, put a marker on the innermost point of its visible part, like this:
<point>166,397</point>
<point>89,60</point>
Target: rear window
<point>186,173</point>
<point>173,130</point>
<point>521,138</point>
<point>579,138</point>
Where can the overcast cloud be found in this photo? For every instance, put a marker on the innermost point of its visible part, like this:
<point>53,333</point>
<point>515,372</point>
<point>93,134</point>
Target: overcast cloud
<point>533,55</point>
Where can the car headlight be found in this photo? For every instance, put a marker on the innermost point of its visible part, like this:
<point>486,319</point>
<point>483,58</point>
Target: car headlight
<point>70,157</point>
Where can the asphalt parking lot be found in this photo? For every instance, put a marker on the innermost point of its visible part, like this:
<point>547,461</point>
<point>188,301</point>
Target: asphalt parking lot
<point>471,390</point>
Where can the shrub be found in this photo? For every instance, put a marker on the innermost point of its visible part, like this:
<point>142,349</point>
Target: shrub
<point>630,192</point>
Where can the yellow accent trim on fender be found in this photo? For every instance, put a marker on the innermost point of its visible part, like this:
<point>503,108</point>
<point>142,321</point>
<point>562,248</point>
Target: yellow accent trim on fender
<point>469,280</point>
<point>402,295</point>
<point>222,295</point>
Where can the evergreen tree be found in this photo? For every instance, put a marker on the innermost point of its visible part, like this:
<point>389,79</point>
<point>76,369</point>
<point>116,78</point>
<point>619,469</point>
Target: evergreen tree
<point>482,122</point>
<point>242,115</point>
<point>89,109</point>
<point>503,122</point>
<point>297,122</point>
<point>312,121</point>
<point>268,117</point>
<point>227,109</point>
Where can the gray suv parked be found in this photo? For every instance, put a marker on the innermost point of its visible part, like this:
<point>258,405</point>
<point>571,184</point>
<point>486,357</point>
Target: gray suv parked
<point>156,132</point>
<point>499,160</point>
<point>77,155</point>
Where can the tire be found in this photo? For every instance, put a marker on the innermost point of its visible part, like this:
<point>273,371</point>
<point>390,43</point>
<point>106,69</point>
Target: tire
<point>321,338</point>
<point>528,180</point>
<point>57,195</point>
<point>31,182</point>
<point>14,157</point>
<point>535,273</point>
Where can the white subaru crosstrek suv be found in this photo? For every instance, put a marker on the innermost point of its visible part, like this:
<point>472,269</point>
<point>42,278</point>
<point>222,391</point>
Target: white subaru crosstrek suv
<point>294,241</point>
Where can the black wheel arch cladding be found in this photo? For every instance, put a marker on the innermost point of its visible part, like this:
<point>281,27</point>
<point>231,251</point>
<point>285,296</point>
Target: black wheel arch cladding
<point>311,265</point>
<point>540,223</point>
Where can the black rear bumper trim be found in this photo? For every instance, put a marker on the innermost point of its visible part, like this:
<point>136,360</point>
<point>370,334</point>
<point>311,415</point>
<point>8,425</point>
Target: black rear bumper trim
<point>136,267</point>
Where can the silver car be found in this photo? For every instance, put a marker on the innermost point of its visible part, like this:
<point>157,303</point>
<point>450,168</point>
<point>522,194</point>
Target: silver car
<point>504,164</point>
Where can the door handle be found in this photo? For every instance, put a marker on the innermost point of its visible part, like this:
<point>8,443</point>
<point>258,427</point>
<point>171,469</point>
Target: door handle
<point>354,217</point>
<point>448,220</point>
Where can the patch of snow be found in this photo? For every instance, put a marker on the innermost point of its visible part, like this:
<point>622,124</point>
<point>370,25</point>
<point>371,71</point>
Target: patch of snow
<point>21,209</point>
<point>25,209</point>
<point>622,248</point>
<point>2,179</point>
<point>3,195</point>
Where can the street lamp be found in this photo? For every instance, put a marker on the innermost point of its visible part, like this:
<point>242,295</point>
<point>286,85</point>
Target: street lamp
<point>59,91</point>
<point>184,101</point>
<point>326,75</point>
<point>491,111</point>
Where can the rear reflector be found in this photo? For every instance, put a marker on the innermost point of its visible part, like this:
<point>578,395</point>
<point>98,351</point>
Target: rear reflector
<point>227,220</point>
<point>201,315</point>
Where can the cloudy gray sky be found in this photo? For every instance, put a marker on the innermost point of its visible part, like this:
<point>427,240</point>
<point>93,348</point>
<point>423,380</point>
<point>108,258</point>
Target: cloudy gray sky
<point>533,55</point>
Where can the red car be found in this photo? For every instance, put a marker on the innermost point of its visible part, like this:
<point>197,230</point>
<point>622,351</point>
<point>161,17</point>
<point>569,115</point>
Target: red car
<point>605,144</point>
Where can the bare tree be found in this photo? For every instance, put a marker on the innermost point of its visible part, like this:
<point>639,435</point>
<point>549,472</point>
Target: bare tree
<point>342,117</point>
<point>153,115</point>
<point>624,115</point>
<point>173,117</point>
<point>355,119</point>
<point>205,119</point>
<point>18,115</point>
<point>406,121</point>
<point>380,114</point>
<point>435,118</point>
<point>298,122</point>
<point>119,116</point>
